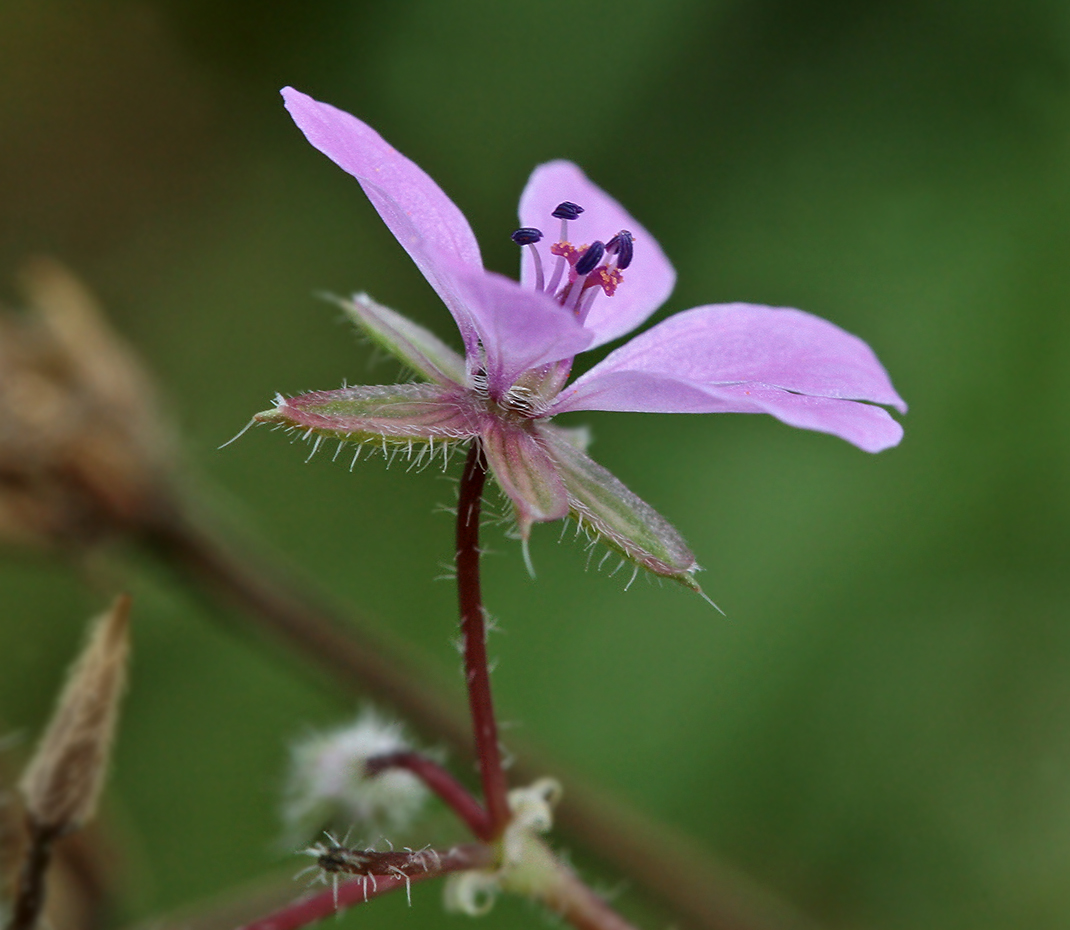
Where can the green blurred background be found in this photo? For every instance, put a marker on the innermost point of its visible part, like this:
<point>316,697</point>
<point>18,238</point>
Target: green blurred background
<point>880,729</point>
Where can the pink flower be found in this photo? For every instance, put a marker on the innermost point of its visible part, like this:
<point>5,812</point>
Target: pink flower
<point>602,275</point>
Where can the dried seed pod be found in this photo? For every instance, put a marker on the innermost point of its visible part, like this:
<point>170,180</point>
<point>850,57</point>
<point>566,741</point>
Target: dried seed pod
<point>62,783</point>
<point>83,450</point>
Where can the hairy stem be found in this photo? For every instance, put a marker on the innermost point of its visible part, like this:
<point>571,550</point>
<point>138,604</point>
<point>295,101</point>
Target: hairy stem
<point>474,632</point>
<point>704,892</point>
<point>377,874</point>
<point>313,908</point>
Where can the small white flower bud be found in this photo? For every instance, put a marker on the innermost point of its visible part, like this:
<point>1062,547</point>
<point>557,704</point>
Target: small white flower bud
<point>526,865</point>
<point>473,892</point>
<point>533,806</point>
<point>329,784</point>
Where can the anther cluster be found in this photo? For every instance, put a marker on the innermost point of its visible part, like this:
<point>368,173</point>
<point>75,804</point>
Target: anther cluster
<point>580,271</point>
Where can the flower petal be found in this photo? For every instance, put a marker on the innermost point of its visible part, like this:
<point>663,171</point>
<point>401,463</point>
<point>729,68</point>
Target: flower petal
<point>649,279</point>
<point>869,427</point>
<point>519,328</point>
<point>417,347</point>
<point>526,474</point>
<point>425,221</point>
<point>601,504</point>
<point>739,343</point>
<point>746,359</point>
<point>395,413</point>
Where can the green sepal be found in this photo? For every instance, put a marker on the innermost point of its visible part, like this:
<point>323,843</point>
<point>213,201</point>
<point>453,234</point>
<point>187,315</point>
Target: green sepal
<point>418,348</point>
<point>526,473</point>
<point>619,519</point>
<point>393,413</point>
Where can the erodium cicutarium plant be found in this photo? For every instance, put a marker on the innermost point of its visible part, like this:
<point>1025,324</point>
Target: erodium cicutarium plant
<point>590,273</point>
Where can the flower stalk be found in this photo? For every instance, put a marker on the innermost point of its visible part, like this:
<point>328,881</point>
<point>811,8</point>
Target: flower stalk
<point>442,783</point>
<point>474,633</point>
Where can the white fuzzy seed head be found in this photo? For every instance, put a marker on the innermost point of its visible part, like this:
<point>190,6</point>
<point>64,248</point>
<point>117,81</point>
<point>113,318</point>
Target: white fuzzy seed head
<point>329,785</point>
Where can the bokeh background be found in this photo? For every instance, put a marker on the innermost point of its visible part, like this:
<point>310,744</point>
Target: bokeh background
<point>879,731</point>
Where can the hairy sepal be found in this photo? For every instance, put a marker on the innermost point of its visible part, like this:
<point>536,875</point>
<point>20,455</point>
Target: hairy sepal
<point>418,348</point>
<point>616,517</point>
<point>526,473</point>
<point>397,413</point>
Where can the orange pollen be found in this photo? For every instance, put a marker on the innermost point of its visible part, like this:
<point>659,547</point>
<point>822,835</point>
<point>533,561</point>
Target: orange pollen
<point>606,278</point>
<point>567,251</point>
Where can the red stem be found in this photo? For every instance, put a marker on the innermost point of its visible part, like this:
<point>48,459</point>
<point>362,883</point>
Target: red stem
<point>315,907</point>
<point>573,901</point>
<point>473,630</point>
<point>442,783</point>
<point>345,894</point>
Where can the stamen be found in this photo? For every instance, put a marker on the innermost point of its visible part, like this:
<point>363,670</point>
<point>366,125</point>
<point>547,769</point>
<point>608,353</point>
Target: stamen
<point>590,258</point>
<point>559,271</point>
<point>606,277</point>
<point>621,246</point>
<point>583,306</point>
<point>527,235</point>
<point>564,211</point>
<point>571,294</point>
<point>567,210</point>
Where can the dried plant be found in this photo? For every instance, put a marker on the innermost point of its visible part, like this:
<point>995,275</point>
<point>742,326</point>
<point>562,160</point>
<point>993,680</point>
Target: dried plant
<point>61,785</point>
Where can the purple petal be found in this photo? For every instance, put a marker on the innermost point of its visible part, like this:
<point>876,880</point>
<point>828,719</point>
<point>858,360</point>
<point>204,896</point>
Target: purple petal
<point>649,279</point>
<point>396,413</point>
<point>525,473</point>
<point>609,511</point>
<point>740,343</point>
<point>425,221</point>
<point>519,328</point>
<point>746,359</point>
<point>870,428</point>
<point>864,425</point>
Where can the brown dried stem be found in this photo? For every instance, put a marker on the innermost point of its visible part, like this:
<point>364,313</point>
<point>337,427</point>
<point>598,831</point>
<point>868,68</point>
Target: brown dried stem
<point>30,890</point>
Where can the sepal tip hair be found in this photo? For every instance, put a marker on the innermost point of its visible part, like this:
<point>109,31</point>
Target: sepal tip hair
<point>603,277</point>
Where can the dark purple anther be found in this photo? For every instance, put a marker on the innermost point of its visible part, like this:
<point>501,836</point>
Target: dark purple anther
<point>567,210</point>
<point>590,258</point>
<point>526,235</point>
<point>621,246</point>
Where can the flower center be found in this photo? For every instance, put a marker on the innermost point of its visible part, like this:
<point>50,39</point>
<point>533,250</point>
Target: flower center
<point>581,271</point>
